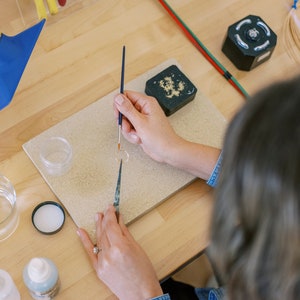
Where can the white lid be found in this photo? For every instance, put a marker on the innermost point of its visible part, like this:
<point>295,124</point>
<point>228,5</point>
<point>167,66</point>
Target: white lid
<point>7,287</point>
<point>48,217</point>
<point>38,269</point>
<point>5,284</point>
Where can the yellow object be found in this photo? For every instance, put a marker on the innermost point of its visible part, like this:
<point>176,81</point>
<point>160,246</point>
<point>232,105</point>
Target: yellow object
<point>41,9</point>
<point>52,7</point>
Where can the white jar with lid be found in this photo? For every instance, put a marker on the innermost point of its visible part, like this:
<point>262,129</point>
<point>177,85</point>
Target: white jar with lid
<point>8,290</point>
<point>41,278</point>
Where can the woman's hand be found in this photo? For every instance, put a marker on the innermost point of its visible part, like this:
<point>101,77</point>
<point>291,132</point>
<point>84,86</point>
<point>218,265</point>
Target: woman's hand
<point>121,263</point>
<point>145,123</point>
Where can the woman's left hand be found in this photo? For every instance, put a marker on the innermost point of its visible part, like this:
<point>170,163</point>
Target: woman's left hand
<point>121,263</point>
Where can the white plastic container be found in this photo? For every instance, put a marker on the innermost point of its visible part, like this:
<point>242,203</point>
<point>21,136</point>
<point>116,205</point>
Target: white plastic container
<point>8,290</point>
<point>41,278</point>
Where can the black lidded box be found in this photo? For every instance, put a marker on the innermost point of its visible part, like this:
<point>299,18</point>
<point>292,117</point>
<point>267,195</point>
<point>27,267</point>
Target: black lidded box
<point>249,42</point>
<point>171,88</point>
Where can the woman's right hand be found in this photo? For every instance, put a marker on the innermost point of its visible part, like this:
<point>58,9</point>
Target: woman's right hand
<point>145,123</point>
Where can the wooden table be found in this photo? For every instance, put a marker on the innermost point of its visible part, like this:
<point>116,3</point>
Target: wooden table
<point>77,61</point>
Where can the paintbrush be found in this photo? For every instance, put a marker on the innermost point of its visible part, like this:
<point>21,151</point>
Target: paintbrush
<point>121,92</point>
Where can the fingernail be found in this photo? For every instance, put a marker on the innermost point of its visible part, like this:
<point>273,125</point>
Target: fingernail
<point>134,137</point>
<point>119,99</point>
<point>78,232</point>
<point>96,217</point>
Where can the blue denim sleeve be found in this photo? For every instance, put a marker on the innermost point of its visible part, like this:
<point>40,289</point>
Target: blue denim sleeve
<point>217,294</point>
<point>162,297</point>
<point>210,293</point>
<point>213,179</point>
<point>202,294</point>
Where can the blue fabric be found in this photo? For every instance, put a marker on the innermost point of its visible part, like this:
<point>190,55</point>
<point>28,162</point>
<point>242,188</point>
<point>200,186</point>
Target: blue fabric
<point>202,294</point>
<point>14,55</point>
<point>210,293</point>
<point>216,294</point>
<point>162,297</point>
<point>213,179</point>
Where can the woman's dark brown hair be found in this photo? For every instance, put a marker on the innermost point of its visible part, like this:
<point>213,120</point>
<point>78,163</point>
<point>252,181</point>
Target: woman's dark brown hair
<point>255,225</point>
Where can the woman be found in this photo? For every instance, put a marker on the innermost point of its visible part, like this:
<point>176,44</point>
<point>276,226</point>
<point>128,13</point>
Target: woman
<point>255,235</point>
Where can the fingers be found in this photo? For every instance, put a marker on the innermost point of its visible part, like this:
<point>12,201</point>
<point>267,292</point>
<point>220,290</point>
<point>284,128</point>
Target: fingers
<point>102,241</point>
<point>140,101</point>
<point>133,106</point>
<point>112,227</point>
<point>124,229</point>
<point>126,107</point>
<point>88,246</point>
<point>132,137</point>
<point>147,105</point>
<point>128,130</point>
<point>108,232</point>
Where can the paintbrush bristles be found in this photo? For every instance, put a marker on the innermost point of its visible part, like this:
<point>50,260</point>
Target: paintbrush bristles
<point>119,137</point>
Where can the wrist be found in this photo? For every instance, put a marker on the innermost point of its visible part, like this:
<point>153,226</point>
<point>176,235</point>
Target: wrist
<point>194,158</point>
<point>176,152</point>
<point>153,291</point>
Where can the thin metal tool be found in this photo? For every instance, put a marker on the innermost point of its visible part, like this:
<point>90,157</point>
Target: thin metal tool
<point>121,92</point>
<point>118,187</point>
<point>117,193</point>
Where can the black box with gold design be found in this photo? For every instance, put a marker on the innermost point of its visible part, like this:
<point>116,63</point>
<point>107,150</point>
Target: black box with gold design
<point>171,88</point>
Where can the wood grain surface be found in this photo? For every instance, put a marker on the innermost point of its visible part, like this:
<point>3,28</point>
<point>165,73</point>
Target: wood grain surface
<point>75,63</point>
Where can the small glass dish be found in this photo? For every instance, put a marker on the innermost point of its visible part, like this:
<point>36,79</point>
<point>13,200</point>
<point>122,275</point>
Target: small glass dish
<point>9,216</point>
<point>56,155</point>
<point>121,154</point>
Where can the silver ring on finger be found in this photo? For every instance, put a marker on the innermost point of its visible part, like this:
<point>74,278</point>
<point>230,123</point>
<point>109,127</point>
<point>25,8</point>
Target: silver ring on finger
<point>96,250</point>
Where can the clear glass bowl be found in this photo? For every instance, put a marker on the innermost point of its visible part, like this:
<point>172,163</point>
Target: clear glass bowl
<point>56,155</point>
<point>9,216</point>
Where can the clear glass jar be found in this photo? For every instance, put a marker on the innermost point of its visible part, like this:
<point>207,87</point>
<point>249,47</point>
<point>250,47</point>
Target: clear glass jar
<point>9,216</point>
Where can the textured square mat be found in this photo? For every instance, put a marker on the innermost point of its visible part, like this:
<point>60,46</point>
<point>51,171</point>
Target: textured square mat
<point>90,183</point>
